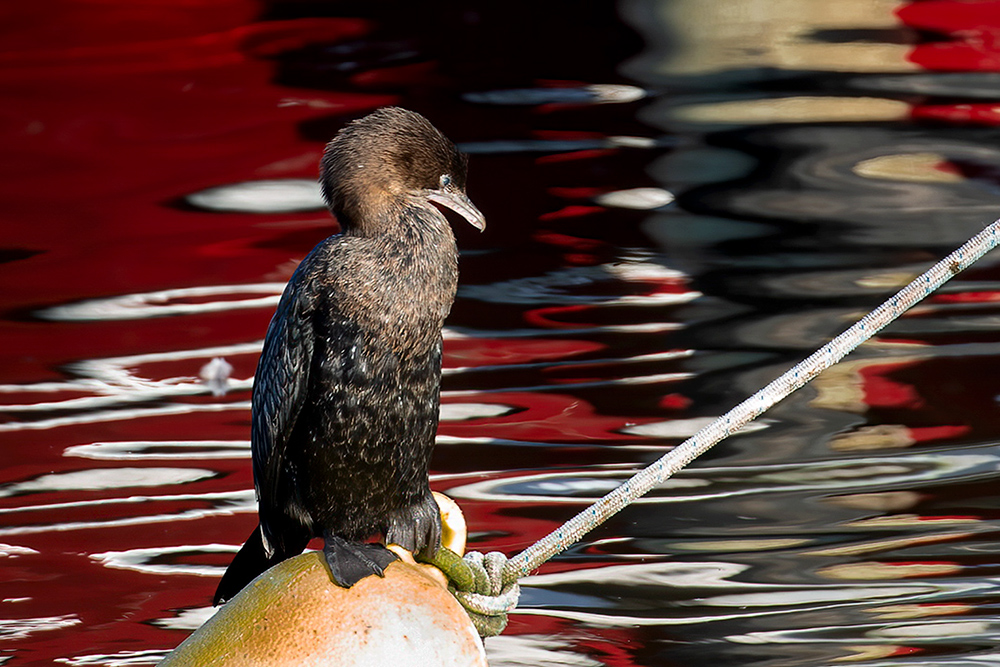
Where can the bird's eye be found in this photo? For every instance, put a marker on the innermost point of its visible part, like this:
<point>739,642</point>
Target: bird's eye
<point>445,180</point>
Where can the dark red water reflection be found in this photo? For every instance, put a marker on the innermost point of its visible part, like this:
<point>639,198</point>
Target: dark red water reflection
<point>112,112</point>
<point>587,337</point>
<point>112,115</point>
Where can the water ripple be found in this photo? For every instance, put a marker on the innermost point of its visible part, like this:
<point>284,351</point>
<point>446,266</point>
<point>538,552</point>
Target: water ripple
<point>704,483</point>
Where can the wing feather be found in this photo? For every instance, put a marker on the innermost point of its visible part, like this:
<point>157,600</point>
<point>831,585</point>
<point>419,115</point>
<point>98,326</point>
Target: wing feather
<point>279,392</point>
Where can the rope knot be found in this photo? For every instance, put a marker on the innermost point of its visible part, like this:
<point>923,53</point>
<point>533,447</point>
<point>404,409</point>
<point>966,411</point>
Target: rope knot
<point>481,585</point>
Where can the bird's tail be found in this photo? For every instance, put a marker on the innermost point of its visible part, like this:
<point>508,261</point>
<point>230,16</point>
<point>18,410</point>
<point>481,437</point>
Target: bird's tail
<point>250,562</point>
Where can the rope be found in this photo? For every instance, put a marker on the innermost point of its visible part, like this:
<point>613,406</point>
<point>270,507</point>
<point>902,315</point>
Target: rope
<point>487,586</point>
<point>662,469</point>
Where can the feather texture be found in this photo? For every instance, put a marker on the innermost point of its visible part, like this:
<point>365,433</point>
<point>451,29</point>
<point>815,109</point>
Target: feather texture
<point>346,395</point>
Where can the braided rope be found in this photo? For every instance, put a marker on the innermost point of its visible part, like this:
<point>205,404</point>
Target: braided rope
<point>795,378</point>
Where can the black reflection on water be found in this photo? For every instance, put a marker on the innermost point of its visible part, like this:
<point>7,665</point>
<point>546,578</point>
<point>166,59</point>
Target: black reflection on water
<point>791,242</point>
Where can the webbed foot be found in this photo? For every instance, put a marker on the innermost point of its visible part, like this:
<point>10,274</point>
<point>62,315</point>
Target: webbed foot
<point>350,562</point>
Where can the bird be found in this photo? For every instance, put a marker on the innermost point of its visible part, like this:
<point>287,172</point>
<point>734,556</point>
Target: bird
<point>346,395</point>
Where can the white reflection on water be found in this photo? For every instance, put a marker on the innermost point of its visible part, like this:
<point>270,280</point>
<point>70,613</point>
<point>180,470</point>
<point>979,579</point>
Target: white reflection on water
<point>145,560</point>
<point>232,501</point>
<point>667,355</point>
<point>166,302</point>
<point>186,619</point>
<point>924,632</point>
<point>678,574</point>
<point>14,551</point>
<point>283,195</point>
<point>646,594</point>
<point>223,504</point>
<point>653,378</point>
<point>635,198</point>
<point>112,383</point>
<point>137,450</point>
<point>944,629</point>
<point>722,482</point>
<point>123,415</point>
<point>114,375</point>
<point>120,659</point>
<point>569,285</point>
<point>19,628</point>
<point>455,412</point>
<point>685,428</point>
<point>106,478</point>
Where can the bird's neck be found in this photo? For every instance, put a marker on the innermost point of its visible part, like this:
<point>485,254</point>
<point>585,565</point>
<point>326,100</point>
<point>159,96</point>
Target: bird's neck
<point>407,222</point>
<point>408,273</point>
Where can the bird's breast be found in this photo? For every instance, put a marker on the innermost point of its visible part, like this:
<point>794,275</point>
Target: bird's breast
<point>396,291</point>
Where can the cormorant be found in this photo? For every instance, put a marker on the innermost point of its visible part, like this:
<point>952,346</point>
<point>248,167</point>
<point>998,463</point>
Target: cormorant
<point>346,394</point>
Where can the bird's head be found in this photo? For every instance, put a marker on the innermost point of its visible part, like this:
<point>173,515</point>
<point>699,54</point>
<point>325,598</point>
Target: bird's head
<point>389,158</point>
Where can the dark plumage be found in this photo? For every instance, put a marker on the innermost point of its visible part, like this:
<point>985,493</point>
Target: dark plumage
<point>346,395</point>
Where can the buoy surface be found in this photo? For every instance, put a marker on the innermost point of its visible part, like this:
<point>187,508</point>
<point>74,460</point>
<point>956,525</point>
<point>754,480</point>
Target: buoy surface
<point>293,614</point>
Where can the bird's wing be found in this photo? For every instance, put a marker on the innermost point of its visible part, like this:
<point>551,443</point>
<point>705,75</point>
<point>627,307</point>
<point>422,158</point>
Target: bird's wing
<point>279,391</point>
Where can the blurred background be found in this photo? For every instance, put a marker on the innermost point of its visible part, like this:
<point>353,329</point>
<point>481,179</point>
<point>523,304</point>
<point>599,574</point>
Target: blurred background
<point>683,199</point>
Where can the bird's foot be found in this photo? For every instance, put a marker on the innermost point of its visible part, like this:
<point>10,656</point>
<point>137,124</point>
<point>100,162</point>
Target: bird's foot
<point>350,562</point>
<point>480,585</point>
<point>416,528</point>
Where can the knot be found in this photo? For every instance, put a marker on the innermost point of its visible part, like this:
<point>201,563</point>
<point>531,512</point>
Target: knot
<point>479,585</point>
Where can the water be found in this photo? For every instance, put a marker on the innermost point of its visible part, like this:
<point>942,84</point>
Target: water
<point>157,192</point>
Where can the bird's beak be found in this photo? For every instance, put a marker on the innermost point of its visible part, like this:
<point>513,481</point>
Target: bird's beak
<point>459,202</point>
